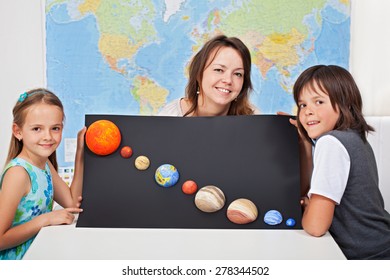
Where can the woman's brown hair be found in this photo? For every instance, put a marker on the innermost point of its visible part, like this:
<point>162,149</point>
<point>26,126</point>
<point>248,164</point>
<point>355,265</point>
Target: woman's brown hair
<point>241,106</point>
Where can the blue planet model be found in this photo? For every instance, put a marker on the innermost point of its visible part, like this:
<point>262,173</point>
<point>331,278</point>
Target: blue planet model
<point>290,222</point>
<point>273,217</point>
<point>166,175</point>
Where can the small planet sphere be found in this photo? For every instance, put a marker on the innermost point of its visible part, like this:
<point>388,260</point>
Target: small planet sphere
<point>142,163</point>
<point>273,217</point>
<point>103,137</point>
<point>189,187</point>
<point>126,152</point>
<point>166,175</point>
<point>290,222</point>
<point>242,211</point>
<point>210,199</point>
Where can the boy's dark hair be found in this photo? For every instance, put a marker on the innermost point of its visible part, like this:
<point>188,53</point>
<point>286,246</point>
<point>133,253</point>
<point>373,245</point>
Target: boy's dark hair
<point>343,92</point>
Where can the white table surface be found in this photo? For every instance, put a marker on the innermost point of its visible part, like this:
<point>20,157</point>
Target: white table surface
<point>67,242</point>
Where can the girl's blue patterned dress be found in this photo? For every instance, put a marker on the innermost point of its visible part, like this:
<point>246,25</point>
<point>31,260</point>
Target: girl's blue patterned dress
<point>38,201</point>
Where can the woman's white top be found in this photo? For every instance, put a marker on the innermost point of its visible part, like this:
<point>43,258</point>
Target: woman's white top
<point>173,109</point>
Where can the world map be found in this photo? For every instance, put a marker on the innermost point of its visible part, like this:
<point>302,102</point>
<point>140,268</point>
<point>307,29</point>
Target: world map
<point>130,57</point>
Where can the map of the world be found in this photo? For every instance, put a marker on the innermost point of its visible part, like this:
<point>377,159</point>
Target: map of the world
<point>130,57</point>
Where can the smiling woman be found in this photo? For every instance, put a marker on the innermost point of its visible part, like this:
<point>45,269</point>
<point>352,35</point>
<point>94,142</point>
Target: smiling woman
<point>219,81</point>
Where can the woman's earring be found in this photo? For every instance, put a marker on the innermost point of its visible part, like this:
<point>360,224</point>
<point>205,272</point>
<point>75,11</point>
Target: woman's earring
<point>197,91</point>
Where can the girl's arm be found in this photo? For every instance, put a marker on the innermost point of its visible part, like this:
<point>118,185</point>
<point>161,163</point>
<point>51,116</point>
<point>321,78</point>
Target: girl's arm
<point>317,215</point>
<point>63,195</point>
<point>16,184</point>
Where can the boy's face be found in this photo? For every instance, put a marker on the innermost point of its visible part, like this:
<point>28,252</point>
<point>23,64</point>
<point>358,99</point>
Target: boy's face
<point>316,114</point>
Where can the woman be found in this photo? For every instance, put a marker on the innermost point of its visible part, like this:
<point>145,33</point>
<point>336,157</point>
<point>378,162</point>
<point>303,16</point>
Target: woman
<point>219,81</point>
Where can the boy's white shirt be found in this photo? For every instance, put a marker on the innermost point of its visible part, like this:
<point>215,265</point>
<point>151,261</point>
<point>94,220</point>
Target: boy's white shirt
<point>331,168</point>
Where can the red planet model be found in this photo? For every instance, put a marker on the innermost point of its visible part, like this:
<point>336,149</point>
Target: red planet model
<point>126,152</point>
<point>189,187</point>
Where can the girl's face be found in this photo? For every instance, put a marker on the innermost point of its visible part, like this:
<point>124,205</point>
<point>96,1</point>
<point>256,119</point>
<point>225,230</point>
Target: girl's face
<point>41,132</point>
<point>316,114</point>
<point>222,78</point>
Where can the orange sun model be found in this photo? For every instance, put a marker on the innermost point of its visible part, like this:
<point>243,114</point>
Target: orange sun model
<point>103,137</point>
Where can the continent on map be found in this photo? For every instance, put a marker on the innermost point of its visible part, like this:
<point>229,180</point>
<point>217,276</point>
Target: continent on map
<point>150,96</point>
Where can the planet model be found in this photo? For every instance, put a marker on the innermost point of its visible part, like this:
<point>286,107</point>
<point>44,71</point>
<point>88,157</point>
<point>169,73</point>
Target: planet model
<point>142,163</point>
<point>166,175</point>
<point>290,222</point>
<point>126,152</point>
<point>210,199</point>
<point>242,211</point>
<point>273,217</point>
<point>103,137</point>
<point>189,187</point>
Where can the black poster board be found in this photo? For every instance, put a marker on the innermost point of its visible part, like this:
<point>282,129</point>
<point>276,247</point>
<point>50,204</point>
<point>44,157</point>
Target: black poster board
<point>253,157</point>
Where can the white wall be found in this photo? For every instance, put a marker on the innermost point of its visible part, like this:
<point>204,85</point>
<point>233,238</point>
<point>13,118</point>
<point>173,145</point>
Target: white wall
<point>22,64</point>
<point>370,54</point>
<point>22,60</point>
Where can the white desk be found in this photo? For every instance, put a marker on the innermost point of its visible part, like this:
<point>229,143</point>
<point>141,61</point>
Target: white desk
<point>67,242</point>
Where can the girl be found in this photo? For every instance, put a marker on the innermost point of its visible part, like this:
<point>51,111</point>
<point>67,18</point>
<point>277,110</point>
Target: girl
<point>219,81</point>
<point>344,197</point>
<point>30,180</point>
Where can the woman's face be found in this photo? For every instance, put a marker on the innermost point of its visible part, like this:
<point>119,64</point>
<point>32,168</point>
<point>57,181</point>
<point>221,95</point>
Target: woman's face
<point>223,78</point>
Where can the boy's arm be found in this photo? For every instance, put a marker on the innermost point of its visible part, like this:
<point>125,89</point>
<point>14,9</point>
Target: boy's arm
<point>306,164</point>
<point>318,214</point>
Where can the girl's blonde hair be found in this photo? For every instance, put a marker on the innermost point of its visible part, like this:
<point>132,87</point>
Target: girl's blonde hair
<point>25,101</point>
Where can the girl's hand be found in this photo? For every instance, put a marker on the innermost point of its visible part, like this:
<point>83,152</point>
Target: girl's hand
<point>80,199</point>
<point>63,216</point>
<point>80,138</point>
